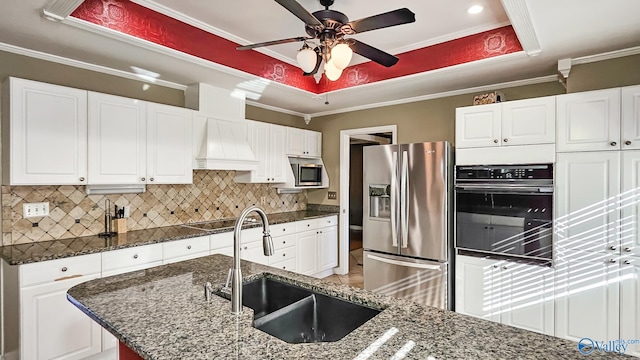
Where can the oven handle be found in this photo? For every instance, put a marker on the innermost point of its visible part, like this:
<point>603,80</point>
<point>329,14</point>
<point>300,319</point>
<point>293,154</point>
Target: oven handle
<point>513,189</point>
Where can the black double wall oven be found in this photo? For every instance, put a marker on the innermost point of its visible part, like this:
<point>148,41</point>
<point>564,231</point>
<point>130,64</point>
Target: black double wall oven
<point>505,211</point>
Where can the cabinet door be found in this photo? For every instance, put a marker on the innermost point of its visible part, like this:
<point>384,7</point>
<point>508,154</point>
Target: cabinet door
<point>117,140</point>
<point>52,327</point>
<point>307,258</point>
<point>328,248</point>
<point>630,303</point>
<point>476,289</point>
<point>587,213</point>
<point>630,117</point>
<point>313,143</point>
<point>588,121</point>
<point>630,203</point>
<point>47,134</point>
<point>169,148</point>
<point>527,297</point>
<point>295,141</point>
<point>260,147</point>
<point>587,297</point>
<point>531,121</point>
<point>478,126</point>
<point>277,157</point>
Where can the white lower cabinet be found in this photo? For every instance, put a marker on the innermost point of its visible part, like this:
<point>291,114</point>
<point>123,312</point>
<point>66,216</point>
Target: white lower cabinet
<point>307,259</point>
<point>511,293</point>
<point>180,250</point>
<point>630,302</point>
<point>327,248</point>
<point>317,246</point>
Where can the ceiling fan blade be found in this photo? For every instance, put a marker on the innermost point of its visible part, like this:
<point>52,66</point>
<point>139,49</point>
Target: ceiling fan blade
<point>391,18</point>
<point>372,53</point>
<point>269,43</point>
<point>296,9</point>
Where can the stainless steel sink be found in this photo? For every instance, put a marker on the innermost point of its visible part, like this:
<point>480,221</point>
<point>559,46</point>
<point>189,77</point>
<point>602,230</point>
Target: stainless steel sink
<point>297,315</point>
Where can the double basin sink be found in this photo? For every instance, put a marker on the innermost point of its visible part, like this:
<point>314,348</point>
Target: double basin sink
<point>298,315</point>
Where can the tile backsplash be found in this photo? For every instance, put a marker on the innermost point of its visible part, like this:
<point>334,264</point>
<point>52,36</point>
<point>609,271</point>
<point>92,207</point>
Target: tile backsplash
<point>72,213</point>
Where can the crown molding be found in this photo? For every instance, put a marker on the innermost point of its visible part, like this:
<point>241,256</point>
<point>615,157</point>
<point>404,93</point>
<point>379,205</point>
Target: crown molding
<point>85,65</point>
<point>518,13</point>
<point>159,8</point>
<point>538,80</point>
<point>58,10</point>
<point>606,56</point>
<point>275,108</point>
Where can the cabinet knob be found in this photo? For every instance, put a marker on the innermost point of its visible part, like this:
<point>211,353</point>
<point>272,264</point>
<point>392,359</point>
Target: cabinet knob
<point>284,255</point>
<point>627,142</point>
<point>135,256</point>
<point>613,143</point>
<point>495,266</point>
<point>627,249</point>
<point>495,141</point>
<point>505,140</point>
<point>504,267</point>
<point>188,247</point>
<point>284,242</point>
<point>612,261</point>
<point>82,179</point>
<point>245,248</point>
<point>284,229</point>
<point>284,268</point>
<point>612,248</point>
<point>628,262</point>
<point>64,269</point>
<point>143,179</point>
<point>151,179</point>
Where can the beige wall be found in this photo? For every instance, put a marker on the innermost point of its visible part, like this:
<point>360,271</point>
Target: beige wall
<point>622,71</point>
<point>39,70</point>
<point>274,117</point>
<point>429,120</point>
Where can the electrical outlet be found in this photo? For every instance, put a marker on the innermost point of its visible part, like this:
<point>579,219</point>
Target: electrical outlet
<point>263,200</point>
<point>332,195</point>
<point>32,210</point>
<point>127,211</point>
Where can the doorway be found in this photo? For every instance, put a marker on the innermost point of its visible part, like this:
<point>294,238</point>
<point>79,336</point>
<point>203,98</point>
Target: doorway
<point>351,144</point>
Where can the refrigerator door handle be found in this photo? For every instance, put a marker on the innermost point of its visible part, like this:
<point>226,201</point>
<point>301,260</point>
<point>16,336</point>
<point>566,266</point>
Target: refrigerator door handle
<point>394,200</point>
<point>404,190</point>
<point>406,264</point>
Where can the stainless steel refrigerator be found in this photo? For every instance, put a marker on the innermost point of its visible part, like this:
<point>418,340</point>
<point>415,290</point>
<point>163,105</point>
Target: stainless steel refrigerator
<point>407,221</point>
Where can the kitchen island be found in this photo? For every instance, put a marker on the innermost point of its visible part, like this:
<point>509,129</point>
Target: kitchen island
<point>161,313</point>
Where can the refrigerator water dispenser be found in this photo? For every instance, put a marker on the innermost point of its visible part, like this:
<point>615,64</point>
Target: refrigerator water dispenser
<point>379,201</point>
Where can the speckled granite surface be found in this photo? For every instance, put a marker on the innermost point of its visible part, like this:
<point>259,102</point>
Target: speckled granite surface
<point>161,313</point>
<point>56,249</point>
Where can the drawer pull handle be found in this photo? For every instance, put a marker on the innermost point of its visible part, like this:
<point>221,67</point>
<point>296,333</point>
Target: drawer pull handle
<point>284,255</point>
<point>495,141</point>
<point>627,142</point>
<point>627,249</point>
<point>284,242</point>
<point>151,179</point>
<point>495,266</point>
<point>308,225</point>
<point>135,256</point>
<point>612,247</point>
<point>505,140</point>
<point>143,179</point>
<point>504,267</point>
<point>64,269</point>
<point>188,247</point>
<point>612,261</point>
<point>628,262</point>
<point>613,143</point>
<point>68,277</point>
<point>82,179</point>
<point>245,248</point>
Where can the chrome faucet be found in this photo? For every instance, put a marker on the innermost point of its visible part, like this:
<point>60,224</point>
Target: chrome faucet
<point>235,274</point>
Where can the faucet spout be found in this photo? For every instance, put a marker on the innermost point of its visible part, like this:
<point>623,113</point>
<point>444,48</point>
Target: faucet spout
<point>236,273</point>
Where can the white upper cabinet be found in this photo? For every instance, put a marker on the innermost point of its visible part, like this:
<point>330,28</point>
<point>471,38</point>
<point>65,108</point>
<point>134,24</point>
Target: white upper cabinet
<point>169,145</point>
<point>44,134</point>
<point>267,143</point>
<point>304,143</point>
<point>631,117</point>
<point>589,121</point>
<point>117,140</point>
<point>521,122</point>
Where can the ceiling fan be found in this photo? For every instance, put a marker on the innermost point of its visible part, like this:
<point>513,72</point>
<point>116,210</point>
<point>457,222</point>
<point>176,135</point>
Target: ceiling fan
<point>329,27</point>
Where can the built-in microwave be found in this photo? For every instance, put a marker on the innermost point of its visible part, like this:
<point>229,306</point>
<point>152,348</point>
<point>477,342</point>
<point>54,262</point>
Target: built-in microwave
<point>307,174</point>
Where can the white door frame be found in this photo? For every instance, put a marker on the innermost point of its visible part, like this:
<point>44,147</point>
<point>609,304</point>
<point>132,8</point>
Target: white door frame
<point>345,167</point>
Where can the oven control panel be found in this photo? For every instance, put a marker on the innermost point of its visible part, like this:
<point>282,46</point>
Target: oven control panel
<point>504,172</point>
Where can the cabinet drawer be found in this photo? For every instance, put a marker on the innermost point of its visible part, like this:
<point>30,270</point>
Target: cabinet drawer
<point>220,240</point>
<point>289,265</point>
<point>305,225</point>
<point>61,269</point>
<point>283,242</point>
<point>185,249</point>
<point>282,255</point>
<point>131,259</point>
<point>328,221</point>
<point>282,229</point>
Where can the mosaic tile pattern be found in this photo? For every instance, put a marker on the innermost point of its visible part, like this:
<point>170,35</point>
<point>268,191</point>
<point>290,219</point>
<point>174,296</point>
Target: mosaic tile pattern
<point>213,195</point>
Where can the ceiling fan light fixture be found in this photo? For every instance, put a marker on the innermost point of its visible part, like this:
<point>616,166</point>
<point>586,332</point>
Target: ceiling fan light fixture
<point>306,58</point>
<point>341,55</point>
<point>331,71</point>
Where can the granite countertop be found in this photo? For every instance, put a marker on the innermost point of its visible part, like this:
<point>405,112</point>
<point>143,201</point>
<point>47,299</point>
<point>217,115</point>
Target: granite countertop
<point>56,249</point>
<point>161,313</point>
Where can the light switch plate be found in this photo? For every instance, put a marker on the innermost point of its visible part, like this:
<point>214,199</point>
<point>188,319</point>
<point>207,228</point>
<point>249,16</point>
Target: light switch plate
<point>31,210</point>
<point>332,195</point>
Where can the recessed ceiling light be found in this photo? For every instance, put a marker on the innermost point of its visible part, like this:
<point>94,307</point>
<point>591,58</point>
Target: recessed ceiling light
<point>475,9</point>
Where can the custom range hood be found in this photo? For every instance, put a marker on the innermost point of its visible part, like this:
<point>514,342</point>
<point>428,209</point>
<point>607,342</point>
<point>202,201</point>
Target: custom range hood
<point>219,129</point>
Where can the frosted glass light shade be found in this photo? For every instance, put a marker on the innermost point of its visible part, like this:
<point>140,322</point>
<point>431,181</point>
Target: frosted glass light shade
<point>307,59</point>
<point>332,72</point>
<point>341,55</point>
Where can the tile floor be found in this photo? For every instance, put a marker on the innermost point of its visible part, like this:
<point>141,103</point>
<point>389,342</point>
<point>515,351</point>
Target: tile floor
<point>354,277</point>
